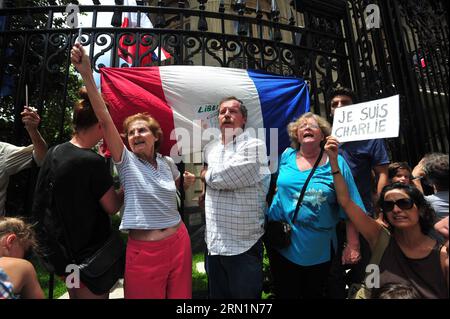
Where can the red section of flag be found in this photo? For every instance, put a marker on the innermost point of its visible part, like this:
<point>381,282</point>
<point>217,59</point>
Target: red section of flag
<point>134,91</point>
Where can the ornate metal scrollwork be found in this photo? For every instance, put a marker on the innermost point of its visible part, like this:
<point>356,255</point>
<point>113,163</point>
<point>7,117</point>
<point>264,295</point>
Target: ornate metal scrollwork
<point>193,45</point>
<point>59,44</point>
<point>214,47</point>
<point>105,42</point>
<point>235,50</point>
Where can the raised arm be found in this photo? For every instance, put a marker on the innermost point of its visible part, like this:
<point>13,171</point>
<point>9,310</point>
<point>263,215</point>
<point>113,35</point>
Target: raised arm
<point>81,62</point>
<point>31,120</point>
<point>368,227</point>
<point>417,174</point>
<point>383,177</point>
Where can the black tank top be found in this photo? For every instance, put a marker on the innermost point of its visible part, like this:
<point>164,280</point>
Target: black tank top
<point>424,274</point>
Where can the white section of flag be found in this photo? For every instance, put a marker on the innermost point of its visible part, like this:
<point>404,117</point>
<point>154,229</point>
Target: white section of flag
<point>181,85</point>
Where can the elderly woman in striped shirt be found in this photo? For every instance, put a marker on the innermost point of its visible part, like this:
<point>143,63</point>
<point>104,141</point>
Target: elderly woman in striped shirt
<point>158,259</point>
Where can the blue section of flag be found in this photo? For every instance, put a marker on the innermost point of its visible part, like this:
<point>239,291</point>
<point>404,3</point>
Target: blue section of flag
<point>283,99</point>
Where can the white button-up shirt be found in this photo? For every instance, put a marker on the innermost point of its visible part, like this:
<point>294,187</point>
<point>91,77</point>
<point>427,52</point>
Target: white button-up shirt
<point>237,182</point>
<point>13,159</point>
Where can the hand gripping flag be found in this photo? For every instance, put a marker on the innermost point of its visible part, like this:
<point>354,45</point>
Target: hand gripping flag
<point>184,100</point>
<point>144,53</point>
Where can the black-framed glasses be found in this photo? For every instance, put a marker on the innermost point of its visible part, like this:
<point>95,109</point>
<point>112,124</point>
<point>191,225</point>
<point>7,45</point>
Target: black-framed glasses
<point>404,203</point>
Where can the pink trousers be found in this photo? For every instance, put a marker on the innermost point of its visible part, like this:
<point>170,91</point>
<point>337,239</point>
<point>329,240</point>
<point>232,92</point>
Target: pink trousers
<point>159,269</point>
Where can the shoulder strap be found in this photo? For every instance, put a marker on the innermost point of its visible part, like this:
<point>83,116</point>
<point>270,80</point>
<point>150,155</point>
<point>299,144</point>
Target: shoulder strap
<point>378,251</point>
<point>54,207</point>
<point>382,242</point>
<point>302,193</point>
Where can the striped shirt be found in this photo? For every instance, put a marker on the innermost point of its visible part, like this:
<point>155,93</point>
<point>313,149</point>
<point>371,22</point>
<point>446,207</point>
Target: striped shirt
<point>13,159</point>
<point>237,182</point>
<point>150,193</point>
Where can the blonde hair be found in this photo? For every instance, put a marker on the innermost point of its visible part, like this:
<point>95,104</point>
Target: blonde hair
<point>24,231</point>
<point>292,128</point>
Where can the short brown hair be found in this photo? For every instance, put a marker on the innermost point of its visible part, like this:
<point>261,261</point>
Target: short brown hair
<point>292,128</point>
<point>345,92</point>
<point>242,107</point>
<point>394,167</point>
<point>24,231</point>
<point>152,124</point>
<point>436,167</point>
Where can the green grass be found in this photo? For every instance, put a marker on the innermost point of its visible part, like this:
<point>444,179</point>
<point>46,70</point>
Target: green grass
<point>59,287</point>
<point>199,280</point>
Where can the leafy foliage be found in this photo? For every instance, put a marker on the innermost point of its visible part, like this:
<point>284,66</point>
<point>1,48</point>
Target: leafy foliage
<point>41,62</point>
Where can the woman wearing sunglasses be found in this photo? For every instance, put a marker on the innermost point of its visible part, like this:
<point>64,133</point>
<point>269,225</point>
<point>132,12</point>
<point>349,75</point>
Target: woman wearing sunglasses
<point>412,257</point>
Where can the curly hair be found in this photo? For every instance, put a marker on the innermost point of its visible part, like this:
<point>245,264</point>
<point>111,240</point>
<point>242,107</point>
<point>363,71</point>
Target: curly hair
<point>427,215</point>
<point>152,124</point>
<point>435,167</point>
<point>292,128</point>
<point>24,231</point>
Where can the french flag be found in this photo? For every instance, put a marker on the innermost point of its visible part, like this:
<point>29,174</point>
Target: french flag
<point>184,100</point>
<point>128,52</point>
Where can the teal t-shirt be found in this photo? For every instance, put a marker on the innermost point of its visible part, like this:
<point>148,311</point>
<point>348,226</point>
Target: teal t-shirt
<point>314,230</point>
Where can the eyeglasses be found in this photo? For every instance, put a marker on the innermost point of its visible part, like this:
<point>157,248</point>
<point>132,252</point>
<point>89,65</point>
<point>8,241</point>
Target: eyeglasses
<point>305,125</point>
<point>404,203</point>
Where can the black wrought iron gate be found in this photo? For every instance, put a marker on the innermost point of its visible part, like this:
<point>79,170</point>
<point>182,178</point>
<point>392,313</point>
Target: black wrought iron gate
<point>327,42</point>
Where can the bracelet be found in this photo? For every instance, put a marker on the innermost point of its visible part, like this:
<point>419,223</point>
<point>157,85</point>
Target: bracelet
<point>336,172</point>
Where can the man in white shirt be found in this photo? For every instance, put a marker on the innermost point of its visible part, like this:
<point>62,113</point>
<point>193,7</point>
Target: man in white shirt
<point>237,180</point>
<point>13,158</point>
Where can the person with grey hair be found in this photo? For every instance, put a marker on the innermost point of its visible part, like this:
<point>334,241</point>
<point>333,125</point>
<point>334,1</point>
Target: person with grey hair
<point>301,269</point>
<point>434,169</point>
<point>236,177</point>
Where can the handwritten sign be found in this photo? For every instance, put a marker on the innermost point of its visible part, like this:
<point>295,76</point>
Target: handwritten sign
<point>368,120</point>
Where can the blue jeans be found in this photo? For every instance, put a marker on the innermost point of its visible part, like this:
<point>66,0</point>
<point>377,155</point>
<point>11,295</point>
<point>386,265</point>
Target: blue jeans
<point>238,277</point>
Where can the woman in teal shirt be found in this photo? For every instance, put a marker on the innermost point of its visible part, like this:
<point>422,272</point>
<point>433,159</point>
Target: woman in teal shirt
<point>301,270</point>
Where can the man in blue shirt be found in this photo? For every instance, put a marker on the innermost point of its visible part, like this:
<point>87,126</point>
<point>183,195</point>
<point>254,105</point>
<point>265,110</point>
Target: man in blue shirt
<point>363,157</point>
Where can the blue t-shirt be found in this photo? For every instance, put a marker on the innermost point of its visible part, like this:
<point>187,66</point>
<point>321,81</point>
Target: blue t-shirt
<point>314,230</point>
<point>361,157</point>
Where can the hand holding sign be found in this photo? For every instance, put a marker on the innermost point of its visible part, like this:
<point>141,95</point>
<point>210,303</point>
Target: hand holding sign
<point>368,120</point>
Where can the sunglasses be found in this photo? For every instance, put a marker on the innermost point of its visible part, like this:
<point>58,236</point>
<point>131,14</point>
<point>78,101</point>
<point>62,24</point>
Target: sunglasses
<point>404,203</point>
